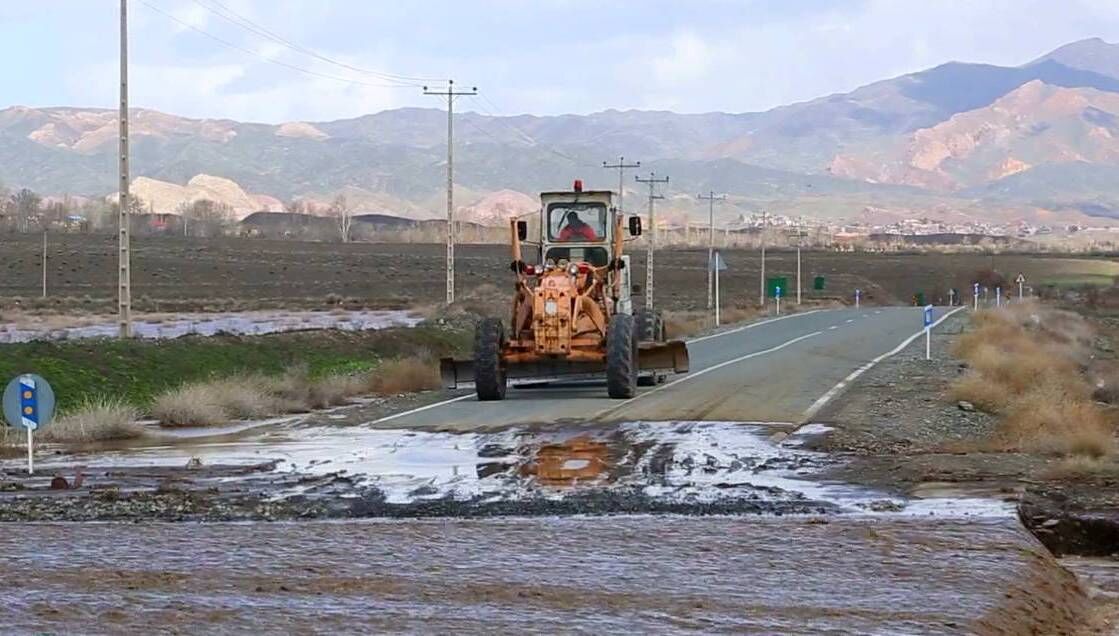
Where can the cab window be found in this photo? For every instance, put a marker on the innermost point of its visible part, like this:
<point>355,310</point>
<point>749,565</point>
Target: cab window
<point>577,222</point>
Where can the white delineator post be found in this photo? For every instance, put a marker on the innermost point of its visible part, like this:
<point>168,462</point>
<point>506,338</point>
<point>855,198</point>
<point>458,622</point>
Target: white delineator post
<point>928,332</point>
<point>30,452</point>
<point>777,297</point>
<point>998,297</point>
<point>858,293</point>
<point>975,297</point>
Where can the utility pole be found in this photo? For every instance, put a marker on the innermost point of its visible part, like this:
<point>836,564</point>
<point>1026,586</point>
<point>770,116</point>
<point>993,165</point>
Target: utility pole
<point>44,262</point>
<point>711,198</point>
<point>621,166</point>
<point>450,94</point>
<point>761,237</point>
<point>652,182</point>
<point>124,279</point>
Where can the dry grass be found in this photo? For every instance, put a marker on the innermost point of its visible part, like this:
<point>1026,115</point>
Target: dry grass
<point>95,421</point>
<point>1083,468</point>
<point>221,401</point>
<point>405,375</point>
<point>1027,366</point>
<point>681,324</point>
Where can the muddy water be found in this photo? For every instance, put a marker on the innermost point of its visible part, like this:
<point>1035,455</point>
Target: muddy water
<point>247,323</point>
<point>854,574</point>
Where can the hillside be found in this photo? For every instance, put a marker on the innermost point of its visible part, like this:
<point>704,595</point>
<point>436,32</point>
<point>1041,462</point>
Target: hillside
<point>924,141</point>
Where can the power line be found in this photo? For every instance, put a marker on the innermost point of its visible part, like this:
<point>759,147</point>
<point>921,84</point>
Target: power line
<point>270,60</point>
<point>652,181</point>
<point>621,167</point>
<point>233,17</point>
<point>711,198</point>
<point>450,93</point>
<point>532,141</point>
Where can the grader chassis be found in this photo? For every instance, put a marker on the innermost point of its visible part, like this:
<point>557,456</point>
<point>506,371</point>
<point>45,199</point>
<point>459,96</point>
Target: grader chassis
<point>572,315</point>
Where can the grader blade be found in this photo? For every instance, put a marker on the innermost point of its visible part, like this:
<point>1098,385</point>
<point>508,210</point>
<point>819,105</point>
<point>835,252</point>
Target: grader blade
<point>459,374</point>
<point>671,356</point>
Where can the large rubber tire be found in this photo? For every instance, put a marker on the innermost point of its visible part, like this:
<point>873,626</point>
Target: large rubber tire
<point>489,372</point>
<point>621,357</point>
<point>650,325</point>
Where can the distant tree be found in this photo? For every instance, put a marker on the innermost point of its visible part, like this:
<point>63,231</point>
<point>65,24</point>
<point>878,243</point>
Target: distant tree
<point>26,205</point>
<point>204,217</point>
<point>295,206</point>
<point>343,216</point>
<point>990,279</point>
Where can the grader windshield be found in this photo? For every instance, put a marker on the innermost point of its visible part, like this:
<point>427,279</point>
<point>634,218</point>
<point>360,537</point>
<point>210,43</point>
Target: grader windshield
<point>570,222</point>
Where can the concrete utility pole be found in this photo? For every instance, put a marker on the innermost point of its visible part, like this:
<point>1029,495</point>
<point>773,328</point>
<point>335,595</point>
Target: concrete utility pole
<point>621,166</point>
<point>761,238</point>
<point>450,94</point>
<point>711,198</point>
<point>799,234</point>
<point>124,280</point>
<point>652,182</point>
<point>44,262</point>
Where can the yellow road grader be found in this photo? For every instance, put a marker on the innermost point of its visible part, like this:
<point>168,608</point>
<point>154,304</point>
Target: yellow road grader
<point>572,315</point>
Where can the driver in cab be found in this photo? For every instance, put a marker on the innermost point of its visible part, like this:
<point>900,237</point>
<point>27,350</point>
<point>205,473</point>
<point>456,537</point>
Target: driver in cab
<point>576,229</point>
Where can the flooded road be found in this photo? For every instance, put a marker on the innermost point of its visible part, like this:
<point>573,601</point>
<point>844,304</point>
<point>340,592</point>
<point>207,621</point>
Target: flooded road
<point>639,573</point>
<point>638,526</point>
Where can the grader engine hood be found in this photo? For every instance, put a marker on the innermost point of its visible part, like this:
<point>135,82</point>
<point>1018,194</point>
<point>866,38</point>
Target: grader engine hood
<point>553,304</point>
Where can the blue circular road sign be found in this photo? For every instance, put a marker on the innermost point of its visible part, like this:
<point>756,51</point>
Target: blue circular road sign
<point>28,402</point>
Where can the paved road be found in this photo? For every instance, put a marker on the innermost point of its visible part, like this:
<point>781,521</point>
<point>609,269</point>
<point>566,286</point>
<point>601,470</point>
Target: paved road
<point>773,370</point>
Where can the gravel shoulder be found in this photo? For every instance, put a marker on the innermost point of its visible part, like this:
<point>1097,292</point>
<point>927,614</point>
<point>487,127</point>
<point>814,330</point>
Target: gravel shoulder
<point>903,433</point>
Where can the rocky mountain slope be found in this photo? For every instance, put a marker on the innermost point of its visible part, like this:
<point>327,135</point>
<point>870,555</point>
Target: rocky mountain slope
<point>960,139</point>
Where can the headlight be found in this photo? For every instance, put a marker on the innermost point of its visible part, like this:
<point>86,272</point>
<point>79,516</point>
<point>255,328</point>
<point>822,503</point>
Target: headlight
<point>551,307</point>
<point>573,269</point>
<point>549,264</point>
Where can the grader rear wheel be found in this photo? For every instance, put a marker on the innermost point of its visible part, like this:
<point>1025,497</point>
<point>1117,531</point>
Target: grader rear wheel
<point>621,357</point>
<point>489,372</point>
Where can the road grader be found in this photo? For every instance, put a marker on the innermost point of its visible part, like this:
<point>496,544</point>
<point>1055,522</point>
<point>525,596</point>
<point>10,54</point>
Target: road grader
<point>572,316</point>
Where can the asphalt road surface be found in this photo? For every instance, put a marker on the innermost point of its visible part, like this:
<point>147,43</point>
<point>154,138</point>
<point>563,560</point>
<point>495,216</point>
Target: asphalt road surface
<point>773,370</point>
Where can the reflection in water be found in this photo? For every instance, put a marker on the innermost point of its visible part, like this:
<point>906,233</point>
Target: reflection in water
<point>569,462</point>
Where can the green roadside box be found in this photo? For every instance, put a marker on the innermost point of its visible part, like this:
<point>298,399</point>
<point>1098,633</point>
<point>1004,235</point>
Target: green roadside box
<point>919,299</point>
<point>771,285</point>
<point>818,283</point>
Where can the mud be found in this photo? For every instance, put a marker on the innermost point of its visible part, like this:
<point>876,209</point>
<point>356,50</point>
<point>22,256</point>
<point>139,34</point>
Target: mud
<point>293,470</point>
<point>643,573</point>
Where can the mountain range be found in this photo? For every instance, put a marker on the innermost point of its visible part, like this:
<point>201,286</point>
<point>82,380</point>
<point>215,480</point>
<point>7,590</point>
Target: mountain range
<point>960,141</point>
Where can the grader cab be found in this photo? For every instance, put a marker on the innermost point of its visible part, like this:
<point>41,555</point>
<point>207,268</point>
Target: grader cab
<point>572,316</point>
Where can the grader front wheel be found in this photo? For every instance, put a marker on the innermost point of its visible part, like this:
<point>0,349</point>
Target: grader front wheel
<point>489,372</point>
<point>621,357</point>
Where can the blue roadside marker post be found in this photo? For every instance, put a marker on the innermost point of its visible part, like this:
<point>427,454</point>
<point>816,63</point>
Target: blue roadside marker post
<point>777,297</point>
<point>928,331</point>
<point>29,404</point>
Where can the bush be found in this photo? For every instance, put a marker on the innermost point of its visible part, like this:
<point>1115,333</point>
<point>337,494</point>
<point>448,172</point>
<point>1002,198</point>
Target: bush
<point>405,375</point>
<point>94,421</point>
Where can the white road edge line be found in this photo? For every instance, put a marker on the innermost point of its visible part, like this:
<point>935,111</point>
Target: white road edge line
<point>422,408</point>
<point>696,374</point>
<point>460,398</point>
<point>752,325</point>
<point>835,390</point>
<point>833,327</point>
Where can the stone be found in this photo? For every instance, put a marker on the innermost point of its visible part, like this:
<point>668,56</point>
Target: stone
<point>964,405</point>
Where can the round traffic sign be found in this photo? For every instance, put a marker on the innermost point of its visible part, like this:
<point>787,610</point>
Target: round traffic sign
<point>28,402</point>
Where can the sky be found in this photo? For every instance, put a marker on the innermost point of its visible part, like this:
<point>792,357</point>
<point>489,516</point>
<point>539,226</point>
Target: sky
<point>317,60</point>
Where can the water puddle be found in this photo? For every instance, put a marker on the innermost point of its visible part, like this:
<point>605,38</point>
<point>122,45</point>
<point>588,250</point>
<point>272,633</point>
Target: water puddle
<point>247,323</point>
<point>685,463</point>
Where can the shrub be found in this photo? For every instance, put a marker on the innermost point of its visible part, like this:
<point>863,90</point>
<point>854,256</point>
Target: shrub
<point>97,420</point>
